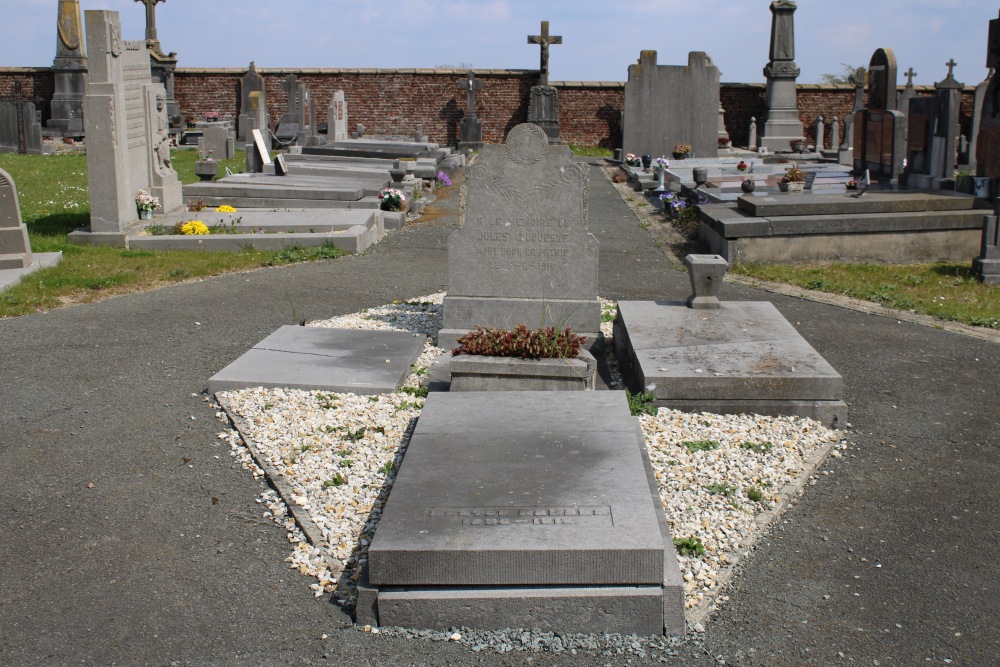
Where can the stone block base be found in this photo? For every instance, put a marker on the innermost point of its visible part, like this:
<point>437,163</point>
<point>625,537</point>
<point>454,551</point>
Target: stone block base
<point>478,373</point>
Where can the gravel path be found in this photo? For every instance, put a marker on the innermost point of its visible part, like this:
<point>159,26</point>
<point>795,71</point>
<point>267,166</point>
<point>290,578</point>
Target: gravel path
<point>130,536</point>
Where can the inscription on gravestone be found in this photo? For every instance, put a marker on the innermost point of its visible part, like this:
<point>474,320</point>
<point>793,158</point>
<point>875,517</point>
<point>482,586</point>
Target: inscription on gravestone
<point>523,254</point>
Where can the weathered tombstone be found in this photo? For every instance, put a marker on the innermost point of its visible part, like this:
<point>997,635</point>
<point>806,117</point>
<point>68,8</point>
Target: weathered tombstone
<point>846,150</point>
<point>290,124</point>
<point>987,265</point>
<point>782,125</point>
<point>69,70</point>
<point>257,152</point>
<point>128,145</point>
<point>20,129</point>
<point>835,134</point>
<point>249,118</point>
<point>336,120</point>
<point>15,249</point>
<point>988,141</point>
<point>310,134</point>
<point>933,133</point>
<point>666,105</point>
<point>257,117</point>
<point>879,129</point>
<point>220,141</point>
<point>977,118</point>
<point>543,105</point>
<point>523,254</point>
<point>472,127</point>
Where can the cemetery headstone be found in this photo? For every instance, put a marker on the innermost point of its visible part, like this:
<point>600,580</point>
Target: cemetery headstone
<point>257,117</point>
<point>15,249</point>
<point>988,141</point>
<point>336,120</point>
<point>250,115</point>
<point>666,105</point>
<point>220,141</point>
<point>20,128</point>
<point>933,133</point>
<point>69,70</point>
<point>523,253</point>
<point>543,104</point>
<point>987,265</point>
<point>782,124</point>
<point>879,129</point>
<point>472,127</point>
<point>127,128</point>
<point>846,153</point>
<point>290,124</point>
<point>977,118</point>
<point>257,152</point>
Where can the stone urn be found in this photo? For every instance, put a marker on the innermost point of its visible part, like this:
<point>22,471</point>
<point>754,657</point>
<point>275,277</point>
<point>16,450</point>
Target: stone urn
<point>206,169</point>
<point>798,146</point>
<point>748,186</point>
<point>706,273</point>
<point>700,176</point>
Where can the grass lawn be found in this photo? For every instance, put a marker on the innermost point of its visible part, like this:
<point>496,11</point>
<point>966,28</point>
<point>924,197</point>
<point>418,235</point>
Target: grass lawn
<point>944,290</point>
<point>52,191</point>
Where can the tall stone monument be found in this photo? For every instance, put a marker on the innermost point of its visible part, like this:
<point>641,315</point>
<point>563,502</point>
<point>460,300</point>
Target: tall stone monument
<point>336,118</point>
<point>782,125</point>
<point>162,65</point>
<point>128,147</point>
<point>524,254</point>
<point>472,127</point>
<point>666,105</point>
<point>880,130</point>
<point>251,82</point>
<point>988,142</point>
<point>932,136</point>
<point>69,70</point>
<point>543,105</point>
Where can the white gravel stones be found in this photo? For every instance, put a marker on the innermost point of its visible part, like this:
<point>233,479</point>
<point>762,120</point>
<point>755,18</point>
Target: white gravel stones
<point>338,454</point>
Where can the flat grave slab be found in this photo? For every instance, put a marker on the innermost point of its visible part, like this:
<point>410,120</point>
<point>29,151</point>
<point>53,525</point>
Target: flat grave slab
<point>871,202</point>
<point>40,260</point>
<point>275,221</point>
<point>337,360</point>
<point>510,503</point>
<point>741,357</point>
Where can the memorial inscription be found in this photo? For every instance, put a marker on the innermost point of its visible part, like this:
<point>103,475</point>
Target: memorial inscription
<point>524,516</point>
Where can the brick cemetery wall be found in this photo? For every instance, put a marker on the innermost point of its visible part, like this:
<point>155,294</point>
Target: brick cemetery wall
<point>393,101</point>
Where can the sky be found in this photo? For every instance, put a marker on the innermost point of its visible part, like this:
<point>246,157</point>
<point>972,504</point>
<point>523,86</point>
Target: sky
<point>600,39</point>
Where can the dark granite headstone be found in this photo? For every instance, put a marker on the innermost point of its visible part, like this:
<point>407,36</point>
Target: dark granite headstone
<point>879,129</point>
<point>988,142</point>
<point>523,254</point>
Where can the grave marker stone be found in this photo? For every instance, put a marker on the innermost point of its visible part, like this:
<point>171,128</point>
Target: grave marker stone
<point>523,254</point>
<point>290,124</point>
<point>934,131</point>
<point>15,249</point>
<point>977,119</point>
<point>666,105</point>
<point>879,129</point>
<point>782,124</point>
<point>250,115</point>
<point>127,128</point>
<point>69,71</point>
<point>220,141</point>
<point>987,265</point>
<point>988,141</point>
<point>543,105</point>
<point>336,123</point>
<point>257,117</point>
<point>472,127</point>
<point>846,152</point>
<point>20,129</point>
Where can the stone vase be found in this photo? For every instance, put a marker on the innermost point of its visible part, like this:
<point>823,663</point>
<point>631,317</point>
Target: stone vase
<point>748,185</point>
<point>206,169</point>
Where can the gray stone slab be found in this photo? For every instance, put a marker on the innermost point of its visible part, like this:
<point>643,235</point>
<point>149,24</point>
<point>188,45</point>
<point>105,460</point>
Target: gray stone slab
<point>744,351</point>
<point>520,488</point>
<point>479,373</point>
<point>40,260</point>
<point>282,221</point>
<point>267,188</point>
<point>872,202</point>
<point>338,360</point>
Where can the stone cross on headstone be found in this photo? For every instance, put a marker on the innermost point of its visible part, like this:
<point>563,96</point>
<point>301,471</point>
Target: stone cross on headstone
<point>951,68</point>
<point>544,40</point>
<point>151,19</point>
<point>909,74</point>
<point>471,85</point>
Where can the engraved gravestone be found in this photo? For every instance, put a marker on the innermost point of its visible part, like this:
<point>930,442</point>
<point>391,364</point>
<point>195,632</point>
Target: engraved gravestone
<point>879,129</point>
<point>988,141</point>
<point>249,118</point>
<point>523,254</point>
<point>336,120</point>
<point>15,250</point>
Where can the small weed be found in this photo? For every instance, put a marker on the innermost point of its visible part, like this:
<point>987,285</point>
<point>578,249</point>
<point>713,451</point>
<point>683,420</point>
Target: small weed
<point>645,225</point>
<point>343,453</point>
<point>689,546</point>
<point>326,401</point>
<point>179,273</point>
<point>609,313</point>
<point>336,480</point>
<point>355,436</point>
<point>759,447</point>
<point>373,399</point>
<point>268,406</point>
<point>700,445</point>
<point>755,494</point>
<point>304,448</point>
<point>136,253</point>
<point>388,467</point>
<point>407,405</point>
<point>346,463</point>
<point>419,371</point>
<point>719,488</point>
<point>420,392</point>
<point>641,404</point>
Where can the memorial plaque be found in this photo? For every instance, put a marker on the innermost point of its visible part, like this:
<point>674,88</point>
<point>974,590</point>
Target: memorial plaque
<point>523,254</point>
<point>917,132</point>
<point>873,135</point>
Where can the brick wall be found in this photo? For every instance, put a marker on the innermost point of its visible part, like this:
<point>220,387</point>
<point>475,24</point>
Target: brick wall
<point>395,101</point>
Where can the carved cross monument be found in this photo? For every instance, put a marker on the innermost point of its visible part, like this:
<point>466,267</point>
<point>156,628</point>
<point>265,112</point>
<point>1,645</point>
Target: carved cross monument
<point>543,105</point>
<point>151,19</point>
<point>544,40</point>
<point>472,127</point>
<point>909,74</point>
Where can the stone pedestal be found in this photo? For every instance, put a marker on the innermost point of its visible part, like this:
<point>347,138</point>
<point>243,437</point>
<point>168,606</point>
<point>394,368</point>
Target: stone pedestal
<point>987,265</point>
<point>543,111</point>
<point>706,273</point>
<point>783,124</point>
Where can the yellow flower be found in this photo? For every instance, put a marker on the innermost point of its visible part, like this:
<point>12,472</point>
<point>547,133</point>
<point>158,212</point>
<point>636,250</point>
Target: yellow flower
<point>225,208</point>
<point>194,227</point>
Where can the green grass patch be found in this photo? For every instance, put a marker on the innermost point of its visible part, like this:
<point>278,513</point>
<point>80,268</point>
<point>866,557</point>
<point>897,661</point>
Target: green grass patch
<point>591,151</point>
<point>700,445</point>
<point>52,190</point>
<point>946,291</point>
<point>689,546</point>
<point>755,494</point>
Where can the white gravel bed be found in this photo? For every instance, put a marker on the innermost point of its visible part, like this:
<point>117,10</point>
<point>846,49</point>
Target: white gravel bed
<point>722,479</point>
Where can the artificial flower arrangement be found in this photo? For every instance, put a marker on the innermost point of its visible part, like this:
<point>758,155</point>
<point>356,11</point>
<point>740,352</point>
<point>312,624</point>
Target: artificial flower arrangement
<point>851,184</point>
<point>793,175</point>
<point>662,162</point>
<point>213,116</point>
<point>442,180</point>
<point>632,160</point>
<point>743,166</point>
<point>682,149</point>
<point>146,202</point>
<point>391,199</point>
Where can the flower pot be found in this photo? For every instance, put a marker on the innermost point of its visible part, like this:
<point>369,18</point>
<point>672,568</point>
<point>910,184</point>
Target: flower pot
<point>793,187</point>
<point>479,373</point>
<point>206,169</point>
<point>748,186</point>
<point>798,146</point>
<point>145,214</point>
<point>679,156</point>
